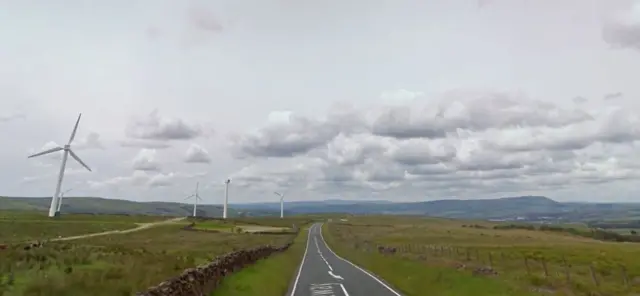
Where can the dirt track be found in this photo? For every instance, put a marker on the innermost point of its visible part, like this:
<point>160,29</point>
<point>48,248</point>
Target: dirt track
<point>141,226</point>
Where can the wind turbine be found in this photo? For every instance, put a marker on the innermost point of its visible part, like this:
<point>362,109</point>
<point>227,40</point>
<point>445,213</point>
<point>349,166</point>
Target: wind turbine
<point>60,199</point>
<point>226,198</point>
<point>196,197</point>
<point>281,203</point>
<point>67,151</point>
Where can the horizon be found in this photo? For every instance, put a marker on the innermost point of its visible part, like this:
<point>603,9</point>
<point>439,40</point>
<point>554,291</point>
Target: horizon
<point>332,199</point>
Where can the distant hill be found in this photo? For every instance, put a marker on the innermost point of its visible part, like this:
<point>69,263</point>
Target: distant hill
<point>111,206</point>
<point>507,208</point>
<point>529,208</point>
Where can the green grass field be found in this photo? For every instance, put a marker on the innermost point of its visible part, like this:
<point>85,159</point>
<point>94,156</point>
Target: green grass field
<point>441,256</point>
<point>115,264</point>
<point>268,277</point>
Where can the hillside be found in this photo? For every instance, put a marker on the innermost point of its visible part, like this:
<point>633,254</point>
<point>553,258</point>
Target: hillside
<point>508,208</point>
<point>110,206</point>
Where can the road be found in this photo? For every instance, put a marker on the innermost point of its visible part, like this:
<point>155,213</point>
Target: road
<point>141,226</point>
<point>323,273</point>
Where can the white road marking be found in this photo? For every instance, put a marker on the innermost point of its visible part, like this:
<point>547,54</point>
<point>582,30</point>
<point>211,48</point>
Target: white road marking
<point>344,290</point>
<point>304,257</point>
<point>322,290</point>
<point>322,256</point>
<point>335,276</point>
<point>356,266</point>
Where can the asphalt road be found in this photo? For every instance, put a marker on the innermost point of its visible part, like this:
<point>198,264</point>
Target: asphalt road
<point>323,273</point>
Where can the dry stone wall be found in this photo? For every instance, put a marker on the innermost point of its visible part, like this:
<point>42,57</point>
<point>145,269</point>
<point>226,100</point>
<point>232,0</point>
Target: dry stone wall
<point>202,280</point>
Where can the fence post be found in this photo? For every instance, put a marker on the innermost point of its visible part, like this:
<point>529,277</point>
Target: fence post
<point>526,264</point>
<point>593,275</point>
<point>468,255</point>
<point>544,266</point>
<point>490,260</point>
<point>567,271</point>
<point>625,278</point>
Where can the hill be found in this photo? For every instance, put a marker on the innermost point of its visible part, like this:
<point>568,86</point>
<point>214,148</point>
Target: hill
<point>528,208</point>
<point>98,205</point>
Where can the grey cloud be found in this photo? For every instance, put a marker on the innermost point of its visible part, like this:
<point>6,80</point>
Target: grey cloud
<point>471,111</point>
<point>297,137</point>
<point>623,29</point>
<point>149,144</point>
<point>197,154</point>
<point>91,141</point>
<point>11,116</point>
<point>145,160</point>
<point>613,96</point>
<point>154,127</point>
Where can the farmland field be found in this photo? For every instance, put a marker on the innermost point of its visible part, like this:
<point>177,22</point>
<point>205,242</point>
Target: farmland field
<point>115,264</point>
<point>450,257</point>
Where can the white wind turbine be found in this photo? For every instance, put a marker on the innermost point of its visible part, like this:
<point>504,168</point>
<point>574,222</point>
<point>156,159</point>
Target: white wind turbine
<point>67,150</point>
<point>60,199</point>
<point>226,198</point>
<point>281,203</point>
<point>195,197</point>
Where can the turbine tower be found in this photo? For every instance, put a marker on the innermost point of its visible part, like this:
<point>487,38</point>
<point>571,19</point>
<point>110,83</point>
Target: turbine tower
<point>67,150</point>
<point>196,197</point>
<point>226,198</point>
<point>60,200</point>
<point>281,203</point>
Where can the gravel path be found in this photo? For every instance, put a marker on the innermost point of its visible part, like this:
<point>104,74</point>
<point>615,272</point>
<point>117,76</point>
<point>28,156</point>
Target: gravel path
<point>141,226</point>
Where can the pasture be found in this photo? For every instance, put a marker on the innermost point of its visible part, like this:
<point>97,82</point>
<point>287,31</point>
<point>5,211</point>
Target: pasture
<point>114,264</point>
<point>449,257</point>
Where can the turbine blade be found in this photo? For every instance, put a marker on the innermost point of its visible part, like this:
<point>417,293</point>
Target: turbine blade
<point>46,152</point>
<point>190,196</point>
<point>75,128</point>
<point>78,160</point>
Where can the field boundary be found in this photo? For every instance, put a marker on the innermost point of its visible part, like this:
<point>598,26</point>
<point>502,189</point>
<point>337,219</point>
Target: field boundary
<point>203,280</point>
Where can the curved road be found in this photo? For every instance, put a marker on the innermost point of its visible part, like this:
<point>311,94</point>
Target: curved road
<point>323,273</point>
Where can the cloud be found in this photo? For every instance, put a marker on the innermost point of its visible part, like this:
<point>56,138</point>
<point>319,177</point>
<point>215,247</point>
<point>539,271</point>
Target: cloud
<point>401,95</point>
<point>460,143</point>
<point>90,141</point>
<point>623,28</point>
<point>7,117</point>
<point>154,127</point>
<point>197,154</point>
<point>613,96</point>
<point>149,144</point>
<point>145,160</point>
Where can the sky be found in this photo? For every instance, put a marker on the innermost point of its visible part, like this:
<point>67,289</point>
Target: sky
<point>379,99</point>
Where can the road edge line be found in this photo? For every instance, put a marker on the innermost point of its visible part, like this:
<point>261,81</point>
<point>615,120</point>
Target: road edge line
<point>356,266</point>
<point>304,257</point>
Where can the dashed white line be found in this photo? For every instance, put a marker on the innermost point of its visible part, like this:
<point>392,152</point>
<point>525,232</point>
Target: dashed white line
<point>356,266</point>
<point>344,290</point>
<point>295,284</point>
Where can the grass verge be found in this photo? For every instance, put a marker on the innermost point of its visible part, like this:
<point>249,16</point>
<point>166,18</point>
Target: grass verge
<point>412,277</point>
<point>268,277</point>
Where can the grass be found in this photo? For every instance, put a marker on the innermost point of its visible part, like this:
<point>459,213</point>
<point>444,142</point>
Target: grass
<point>268,277</point>
<point>440,256</point>
<point>17,231</point>
<point>117,264</point>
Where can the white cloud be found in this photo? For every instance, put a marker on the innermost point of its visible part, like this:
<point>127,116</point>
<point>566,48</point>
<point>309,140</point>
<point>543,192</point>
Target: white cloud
<point>441,99</point>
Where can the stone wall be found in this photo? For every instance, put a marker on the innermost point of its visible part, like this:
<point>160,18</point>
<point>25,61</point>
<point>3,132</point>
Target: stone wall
<point>202,280</point>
